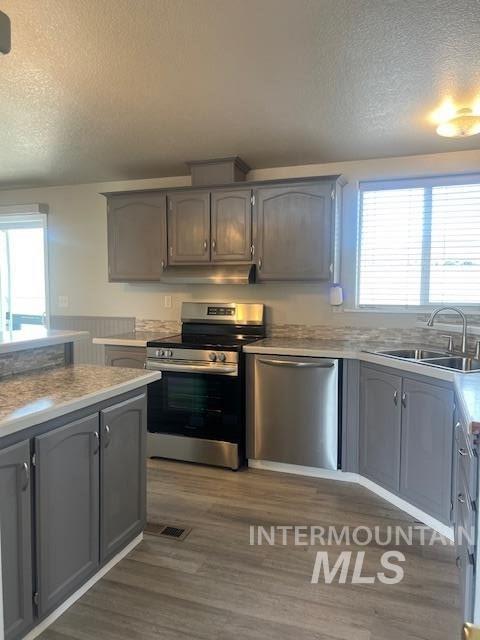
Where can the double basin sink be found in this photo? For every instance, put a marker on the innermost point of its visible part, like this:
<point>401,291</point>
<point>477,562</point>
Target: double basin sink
<point>441,359</point>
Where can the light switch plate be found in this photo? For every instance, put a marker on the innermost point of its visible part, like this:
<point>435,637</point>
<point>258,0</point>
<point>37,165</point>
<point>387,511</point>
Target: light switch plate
<point>63,302</point>
<point>167,302</point>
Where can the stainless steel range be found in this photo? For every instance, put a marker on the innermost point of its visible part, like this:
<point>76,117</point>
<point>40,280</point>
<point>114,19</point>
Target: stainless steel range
<point>197,411</point>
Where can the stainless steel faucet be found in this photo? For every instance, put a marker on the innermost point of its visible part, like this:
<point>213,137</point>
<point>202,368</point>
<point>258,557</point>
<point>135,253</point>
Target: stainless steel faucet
<point>464,320</point>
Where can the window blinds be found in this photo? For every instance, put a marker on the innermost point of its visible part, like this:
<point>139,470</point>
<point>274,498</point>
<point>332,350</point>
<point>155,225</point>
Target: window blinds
<point>419,243</point>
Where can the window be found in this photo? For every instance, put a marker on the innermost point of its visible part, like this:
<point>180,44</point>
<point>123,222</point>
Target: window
<point>419,243</point>
<point>23,300</point>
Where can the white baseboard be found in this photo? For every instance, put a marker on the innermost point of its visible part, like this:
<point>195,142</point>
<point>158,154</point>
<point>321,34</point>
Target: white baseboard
<point>345,476</point>
<point>40,628</point>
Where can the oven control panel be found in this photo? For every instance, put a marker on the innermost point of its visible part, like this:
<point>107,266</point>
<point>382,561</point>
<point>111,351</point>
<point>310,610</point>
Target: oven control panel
<point>220,311</point>
<point>196,355</point>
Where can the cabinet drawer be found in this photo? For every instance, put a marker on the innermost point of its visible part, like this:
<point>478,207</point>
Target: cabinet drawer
<point>465,515</point>
<point>466,458</point>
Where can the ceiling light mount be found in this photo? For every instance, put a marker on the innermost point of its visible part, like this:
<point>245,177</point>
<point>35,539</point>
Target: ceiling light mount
<point>5,33</point>
<point>464,123</point>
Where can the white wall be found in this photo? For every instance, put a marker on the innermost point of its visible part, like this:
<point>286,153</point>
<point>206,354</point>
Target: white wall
<point>78,248</point>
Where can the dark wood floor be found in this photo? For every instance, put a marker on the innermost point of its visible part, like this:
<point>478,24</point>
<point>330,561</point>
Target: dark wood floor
<point>215,586</point>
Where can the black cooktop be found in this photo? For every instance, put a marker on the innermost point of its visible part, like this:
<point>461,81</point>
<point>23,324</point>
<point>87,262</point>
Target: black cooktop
<point>202,341</point>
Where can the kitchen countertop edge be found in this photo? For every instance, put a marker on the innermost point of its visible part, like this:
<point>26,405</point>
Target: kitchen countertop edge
<point>10,426</point>
<point>466,385</point>
<point>51,338</point>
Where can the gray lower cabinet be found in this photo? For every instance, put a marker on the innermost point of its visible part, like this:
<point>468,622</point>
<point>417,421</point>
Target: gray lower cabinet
<point>137,237</point>
<point>232,226</point>
<point>465,494</point>
<point>380,426</point>
<point>405,438</point>
<point>189,227</point>
<point>130,357</point>
<point>294,231</point>
<point>16,534</point>
<point>67,510</point>
<point>123,478</point>
<point>426,457</point>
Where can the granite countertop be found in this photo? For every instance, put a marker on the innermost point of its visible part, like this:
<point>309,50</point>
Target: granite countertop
<point>31,398</point>
<point>133,339</point>
<point>35,337</point>
<point>467,385</point>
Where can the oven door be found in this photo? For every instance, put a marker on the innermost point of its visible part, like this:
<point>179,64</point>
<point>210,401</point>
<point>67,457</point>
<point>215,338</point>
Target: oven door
<point>197,404</point>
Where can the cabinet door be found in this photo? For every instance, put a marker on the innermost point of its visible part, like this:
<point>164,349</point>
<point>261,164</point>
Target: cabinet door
<point>427,443</point>
<point>294,232</point>
<point>16,531</point>
<point>130,357</point>
<point>67,509</point>
<point>123,488</point>
<point>137,237</point>
<point>189,227</point>
<point>380,427</point>
<point>232,226</point>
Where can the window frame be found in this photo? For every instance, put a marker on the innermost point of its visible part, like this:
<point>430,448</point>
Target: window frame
<point>37,214</point>
<point>409,183</point>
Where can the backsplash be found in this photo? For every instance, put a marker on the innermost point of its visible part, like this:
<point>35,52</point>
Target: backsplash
<point>380,335</point>
<point>164,327</point>
<point>30,359</point>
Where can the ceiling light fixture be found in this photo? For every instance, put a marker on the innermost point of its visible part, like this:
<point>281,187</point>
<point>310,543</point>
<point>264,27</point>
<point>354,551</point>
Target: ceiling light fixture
<point>5,33</point>
<point>463,123</point>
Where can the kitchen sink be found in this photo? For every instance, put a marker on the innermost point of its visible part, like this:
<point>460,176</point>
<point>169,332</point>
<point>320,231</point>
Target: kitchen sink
<point>457,363</point>
<point>413,354</point>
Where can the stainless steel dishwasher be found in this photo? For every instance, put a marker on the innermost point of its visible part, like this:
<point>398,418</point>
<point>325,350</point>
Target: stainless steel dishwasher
<point>292,410</point>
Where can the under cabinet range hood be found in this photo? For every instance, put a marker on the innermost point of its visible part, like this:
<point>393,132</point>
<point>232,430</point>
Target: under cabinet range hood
<point>210,274</point>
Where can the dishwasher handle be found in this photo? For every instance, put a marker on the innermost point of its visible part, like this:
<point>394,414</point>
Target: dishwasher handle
<point>298,365</point>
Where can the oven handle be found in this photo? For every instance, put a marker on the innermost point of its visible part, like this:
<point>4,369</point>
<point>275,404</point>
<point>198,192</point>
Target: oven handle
<point>222,370</point>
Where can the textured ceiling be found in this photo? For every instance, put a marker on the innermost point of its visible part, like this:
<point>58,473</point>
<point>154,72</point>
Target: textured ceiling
<point>111,89</point>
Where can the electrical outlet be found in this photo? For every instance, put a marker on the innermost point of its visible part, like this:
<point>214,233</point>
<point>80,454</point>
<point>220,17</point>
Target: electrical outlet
<point>167,302</point>
<point>63,302</point>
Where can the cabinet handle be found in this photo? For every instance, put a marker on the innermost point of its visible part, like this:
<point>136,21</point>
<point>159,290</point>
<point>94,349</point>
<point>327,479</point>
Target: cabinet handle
<point>458,562</point>
<point>205,245</point>
<point>214,245</point>
<point>259,264</point>
<point>463,452</point>
<point>108,438</point>
<point>97,442</point>
<point>252,250</point>
<point>404,399</point>
<point>461,498</point>
<point>395,398</point>
<point>171,251</point>
<point>163,265</point>
<point>26,476</point>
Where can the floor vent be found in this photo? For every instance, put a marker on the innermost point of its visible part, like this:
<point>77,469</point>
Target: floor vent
<point>167,531</point>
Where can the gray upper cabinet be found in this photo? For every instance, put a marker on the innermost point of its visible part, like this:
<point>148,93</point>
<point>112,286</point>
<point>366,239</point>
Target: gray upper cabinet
<point>15,518</point>
<point>380,426</point>
<point>137,237</point>
<point>189,227</point>
<point>427,441</point>
<point>67,510</point>
<point>294,231</point>
<point>123,462</point>
<point>232,226</point>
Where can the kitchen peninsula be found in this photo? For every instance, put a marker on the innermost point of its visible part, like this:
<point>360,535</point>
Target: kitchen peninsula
<point>68,509</point>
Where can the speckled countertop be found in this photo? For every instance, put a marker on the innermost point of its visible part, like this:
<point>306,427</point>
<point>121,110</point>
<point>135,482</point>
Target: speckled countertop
<point>467,385</point>
<point>35,337</point>
<point>31,398</point>
<point>133,339</point>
